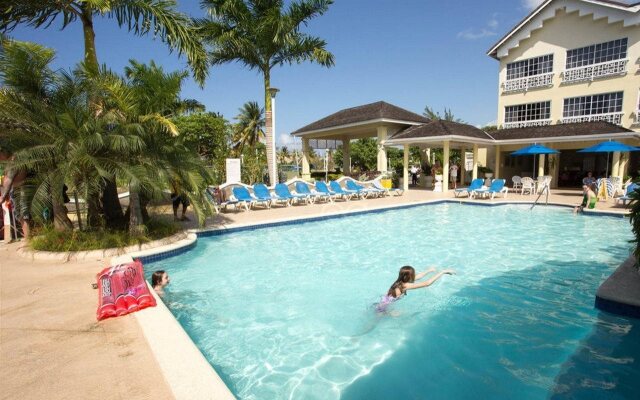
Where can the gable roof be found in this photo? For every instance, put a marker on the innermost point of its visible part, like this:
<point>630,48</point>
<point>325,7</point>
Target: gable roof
<point>568,131</point>
<point>367,113</point>
<point>614,10</point>
<point>439,128</point>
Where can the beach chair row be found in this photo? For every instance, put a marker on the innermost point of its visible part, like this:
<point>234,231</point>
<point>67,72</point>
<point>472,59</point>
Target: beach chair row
<point>303,193</point>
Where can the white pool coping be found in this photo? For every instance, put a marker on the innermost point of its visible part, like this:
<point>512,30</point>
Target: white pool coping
<point>186,370</point>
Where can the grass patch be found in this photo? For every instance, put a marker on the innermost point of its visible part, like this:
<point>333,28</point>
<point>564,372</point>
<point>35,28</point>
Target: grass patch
<point>48,239</point>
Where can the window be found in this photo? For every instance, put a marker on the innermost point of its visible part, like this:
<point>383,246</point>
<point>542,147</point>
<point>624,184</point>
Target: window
<point>530,67</point>
<point>590,105</point>
<point>597,53</point>
<point>528,112</point>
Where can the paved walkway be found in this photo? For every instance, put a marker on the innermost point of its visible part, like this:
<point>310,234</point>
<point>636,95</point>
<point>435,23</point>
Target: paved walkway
<point>52,347</point>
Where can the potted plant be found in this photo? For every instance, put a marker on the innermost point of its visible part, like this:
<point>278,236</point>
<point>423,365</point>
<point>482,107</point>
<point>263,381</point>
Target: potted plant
<point>426,179</point>
<point>437,172</point>
<point>488,172</point>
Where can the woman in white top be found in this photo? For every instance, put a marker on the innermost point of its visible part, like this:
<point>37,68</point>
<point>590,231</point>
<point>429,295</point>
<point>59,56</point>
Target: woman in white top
<point>453,173</point>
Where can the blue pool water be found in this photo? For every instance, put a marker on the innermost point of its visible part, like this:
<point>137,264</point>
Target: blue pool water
<point>286,312</point>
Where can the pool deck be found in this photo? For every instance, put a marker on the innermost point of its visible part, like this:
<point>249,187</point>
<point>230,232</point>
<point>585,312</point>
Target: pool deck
<point>52,347</point>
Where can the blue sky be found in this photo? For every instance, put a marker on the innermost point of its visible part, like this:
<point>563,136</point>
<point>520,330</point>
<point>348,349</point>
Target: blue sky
<point>410,53</point>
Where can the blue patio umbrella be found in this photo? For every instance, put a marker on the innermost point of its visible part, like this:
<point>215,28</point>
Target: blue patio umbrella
<point>608,147</point>
<point>533,150</point>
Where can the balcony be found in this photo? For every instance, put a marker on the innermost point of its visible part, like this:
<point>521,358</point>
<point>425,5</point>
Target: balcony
<point>614,118</point>
<point>595,71</point>
<point>528,82</point>
<point>526,124</point>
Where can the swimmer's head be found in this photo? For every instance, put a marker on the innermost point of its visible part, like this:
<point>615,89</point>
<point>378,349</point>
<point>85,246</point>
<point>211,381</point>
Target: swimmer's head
<point>407,274</point>
<point>159,279</point>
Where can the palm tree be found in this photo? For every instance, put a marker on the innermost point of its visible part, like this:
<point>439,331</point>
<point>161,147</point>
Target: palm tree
<point>283,155</point>
<point>261,35</point>
<point>434,115</point>
<point>250,127</point>
<point>157,17</point>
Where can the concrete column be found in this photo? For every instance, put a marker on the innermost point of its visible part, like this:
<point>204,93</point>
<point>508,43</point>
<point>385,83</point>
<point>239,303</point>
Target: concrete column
<point>474,173</point>
<point>615,164</point>
<point>346,155</point>
<point>541,159</point>
<point>382,152</point>
<point>445,166</point>
<point>463,171</point>
<point>496,169</point>
<point>306,174</point>
<point>624,164</point>
<point>555,171</point>
<point>405,168</point>
<point>427,151</point>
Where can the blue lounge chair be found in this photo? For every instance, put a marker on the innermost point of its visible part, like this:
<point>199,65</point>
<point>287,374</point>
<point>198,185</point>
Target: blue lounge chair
<point>627,195</point>
<point>322,187</point>
<point>282,191</point>
<point>244,197</point>
<point>497,186</point>
<point>352,185</point>
<point>345,193</point>
<point>219,205</point>
<point>378,185</point>
<point>476,184</point>
<point>303,189</point>
<point>261,191</point>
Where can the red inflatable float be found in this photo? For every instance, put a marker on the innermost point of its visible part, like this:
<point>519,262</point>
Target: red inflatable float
<point>122,290</point>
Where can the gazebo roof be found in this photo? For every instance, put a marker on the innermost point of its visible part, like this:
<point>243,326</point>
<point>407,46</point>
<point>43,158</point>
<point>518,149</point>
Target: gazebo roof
<point>441,128</point>
<point>368,113</point>
<point>560,131</point>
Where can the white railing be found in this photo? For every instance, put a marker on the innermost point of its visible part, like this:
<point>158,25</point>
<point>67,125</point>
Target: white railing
<point>526,124</point>
<point>614,118</point>
<point>595,71</point>
<point>637,116</point>
<point>528,82</point>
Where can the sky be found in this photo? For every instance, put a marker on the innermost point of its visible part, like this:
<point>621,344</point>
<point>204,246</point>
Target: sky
<point>410,53</point>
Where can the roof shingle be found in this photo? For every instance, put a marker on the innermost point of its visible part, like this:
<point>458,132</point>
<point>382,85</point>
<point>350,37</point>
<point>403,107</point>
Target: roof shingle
<point>559,130</point>
<point>441,128</point>
<point>367,112</point>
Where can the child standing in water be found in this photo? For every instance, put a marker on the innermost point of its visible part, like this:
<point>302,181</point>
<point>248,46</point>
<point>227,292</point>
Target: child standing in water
<point>406,278</point>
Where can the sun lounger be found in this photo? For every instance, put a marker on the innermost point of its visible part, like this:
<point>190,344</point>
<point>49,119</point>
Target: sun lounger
<point>352,185</point>
<point>627,196</point>
<point>346,193</point>
<point>219,205</point>
<point>476,184</point>
<point>397,191</point>
<point>245,198</point>
<point>261,191</point>
<point>282,191</point>
<point>322,187</point>
<point>303,189</point>
<point>497,186</point>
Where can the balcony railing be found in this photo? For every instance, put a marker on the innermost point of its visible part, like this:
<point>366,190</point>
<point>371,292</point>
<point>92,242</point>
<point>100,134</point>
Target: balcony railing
<point>595,71</point>
<point>614,118</point>
<point>526,124</point>
<point>528,82</point>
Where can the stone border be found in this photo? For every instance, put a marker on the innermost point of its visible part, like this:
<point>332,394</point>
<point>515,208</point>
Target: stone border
<point>620,293</point>
<point>26,252</point>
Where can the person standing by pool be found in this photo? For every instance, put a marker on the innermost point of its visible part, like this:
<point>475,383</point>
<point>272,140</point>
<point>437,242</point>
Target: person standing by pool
<point>406,278</point>
<point>414,175</point>
<point>176,200</point>
<point>159,280</point>
<point>589,198</point>
<point>453,173</point>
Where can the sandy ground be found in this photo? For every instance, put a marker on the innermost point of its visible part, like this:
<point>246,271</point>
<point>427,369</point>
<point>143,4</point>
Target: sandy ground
<point>52,347</point>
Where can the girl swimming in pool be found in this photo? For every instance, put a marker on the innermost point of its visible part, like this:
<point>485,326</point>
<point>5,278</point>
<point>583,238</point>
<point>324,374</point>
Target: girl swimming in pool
<point>159,280</point>
<point>406,278</point>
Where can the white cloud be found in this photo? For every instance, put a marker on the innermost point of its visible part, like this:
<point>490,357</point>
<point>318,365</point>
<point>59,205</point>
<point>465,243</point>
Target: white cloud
<point>493,23</point>
<point>284,139</point>
<point>471,34</point>
<point>531,4</point>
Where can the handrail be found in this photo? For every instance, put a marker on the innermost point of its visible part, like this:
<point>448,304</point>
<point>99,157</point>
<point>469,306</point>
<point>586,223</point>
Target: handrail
<point>545,188</point>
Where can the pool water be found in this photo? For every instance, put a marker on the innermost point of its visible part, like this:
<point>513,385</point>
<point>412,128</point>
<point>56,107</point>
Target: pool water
<point>287,312</point>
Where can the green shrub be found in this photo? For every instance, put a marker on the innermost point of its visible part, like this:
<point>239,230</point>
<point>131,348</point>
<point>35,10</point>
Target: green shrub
<point>48,239</point>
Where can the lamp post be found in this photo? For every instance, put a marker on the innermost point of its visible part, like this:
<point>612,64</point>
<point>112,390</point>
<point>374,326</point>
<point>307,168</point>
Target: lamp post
<point>271,138</point>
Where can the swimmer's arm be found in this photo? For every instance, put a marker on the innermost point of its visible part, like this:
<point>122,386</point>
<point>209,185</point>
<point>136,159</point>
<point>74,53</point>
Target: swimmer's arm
<point>410,286</point>
<point>423,274</point>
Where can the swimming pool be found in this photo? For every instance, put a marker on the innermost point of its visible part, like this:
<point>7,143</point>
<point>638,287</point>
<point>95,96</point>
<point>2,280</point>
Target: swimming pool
<point>286,312</point>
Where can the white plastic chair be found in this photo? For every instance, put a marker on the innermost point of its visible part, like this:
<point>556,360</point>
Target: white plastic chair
<point>543,181</point>
<point>517,183</point>
<point>528,185</point>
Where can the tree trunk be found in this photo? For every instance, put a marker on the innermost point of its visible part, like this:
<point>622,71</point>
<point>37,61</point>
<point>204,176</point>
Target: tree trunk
<point>136,225</point>
<point>61,220</point>
<point>110,202</point>
<point>271,157</point>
